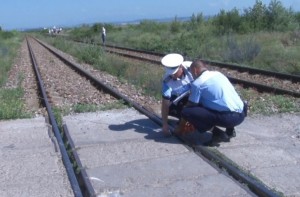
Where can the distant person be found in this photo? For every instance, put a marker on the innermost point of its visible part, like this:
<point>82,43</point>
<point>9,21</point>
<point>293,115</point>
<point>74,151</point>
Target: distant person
<point>103,35</point>
<point>175,88</point>
<point>50,31</point>
<point>212,102</point>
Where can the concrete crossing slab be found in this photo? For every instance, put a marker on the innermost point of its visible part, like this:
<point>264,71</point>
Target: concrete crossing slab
<point>30,164</point>
<point>33,163</point>
<point>89,128</point>
<point>36,186</point>
<point>268,147</point>
<point>284,179</point>
<point>177,175</point>
<point>24,134</point>
<point>129,156</point>
<point>127,151</point>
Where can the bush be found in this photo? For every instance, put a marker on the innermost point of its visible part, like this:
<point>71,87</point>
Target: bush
<point>246,51</point>
<point>88,54</point>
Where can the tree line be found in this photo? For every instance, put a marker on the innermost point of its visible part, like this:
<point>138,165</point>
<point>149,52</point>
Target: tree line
<point>260,17</point>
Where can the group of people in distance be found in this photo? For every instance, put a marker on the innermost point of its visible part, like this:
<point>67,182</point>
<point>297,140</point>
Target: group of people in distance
<point>201,99</point>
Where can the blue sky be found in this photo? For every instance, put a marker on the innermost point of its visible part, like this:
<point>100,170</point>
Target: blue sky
<point>20,14</point>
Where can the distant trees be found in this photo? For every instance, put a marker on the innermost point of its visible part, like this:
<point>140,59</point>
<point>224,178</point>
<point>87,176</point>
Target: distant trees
<point>175,25</point>
<point>227,21</point>
<point>229,35</point>
<point>297,17</point>
<point>260,17</point>
<point>255,17</point>
<point>195,21</point>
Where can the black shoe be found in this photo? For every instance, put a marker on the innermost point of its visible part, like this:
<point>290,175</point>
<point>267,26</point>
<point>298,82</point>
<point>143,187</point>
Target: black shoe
<point>220,135</point>
<point>230,132</point>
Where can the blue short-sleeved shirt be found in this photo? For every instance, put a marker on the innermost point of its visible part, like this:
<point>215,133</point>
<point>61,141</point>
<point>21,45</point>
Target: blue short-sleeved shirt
<point>213,90</point>
<point>171,88</point>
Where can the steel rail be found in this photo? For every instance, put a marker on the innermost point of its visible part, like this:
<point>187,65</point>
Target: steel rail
<point>255,186</point>
<point>293,78</point>
<point>259,87</point>
<point>101,85</point>
<point>264,88</point>
<point>250,70</point>
<point>136,50</point>
<point>134,57</point>
<point>87,189</point>
<point>66,160</point>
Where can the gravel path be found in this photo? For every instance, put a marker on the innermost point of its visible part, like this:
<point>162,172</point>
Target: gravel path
<point>65,87</point>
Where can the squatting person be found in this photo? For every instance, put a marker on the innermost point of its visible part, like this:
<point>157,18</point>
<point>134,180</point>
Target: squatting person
<point>175,87</point>
<point>213,101</point>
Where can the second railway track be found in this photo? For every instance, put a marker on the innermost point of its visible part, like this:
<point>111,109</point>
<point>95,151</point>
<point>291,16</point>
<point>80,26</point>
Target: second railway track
<point>261,80</point>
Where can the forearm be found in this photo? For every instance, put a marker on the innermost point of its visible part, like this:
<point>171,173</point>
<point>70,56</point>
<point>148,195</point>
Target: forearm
<point>165,111</point>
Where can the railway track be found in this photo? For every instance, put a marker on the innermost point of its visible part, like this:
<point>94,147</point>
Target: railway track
<point>65,157</point>
<point>260,80</point>
<point>61,77</point>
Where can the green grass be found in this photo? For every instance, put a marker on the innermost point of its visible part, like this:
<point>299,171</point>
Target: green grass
<point>11,104</point>
<point>268,104</point>
<point>275,51</point>
<point>9,43</point>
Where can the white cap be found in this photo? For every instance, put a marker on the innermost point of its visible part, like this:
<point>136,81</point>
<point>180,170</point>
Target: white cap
<point>172,60</point>
<point>187,64</point>
<point>170,71</point>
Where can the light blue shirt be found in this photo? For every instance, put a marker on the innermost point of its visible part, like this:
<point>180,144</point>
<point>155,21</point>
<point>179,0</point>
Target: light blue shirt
<point>176,87</point>
<point>213,90</point>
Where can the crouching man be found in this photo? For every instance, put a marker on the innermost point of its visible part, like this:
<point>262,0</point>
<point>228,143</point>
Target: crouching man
<point>175,88</point>
<point>213,101</point>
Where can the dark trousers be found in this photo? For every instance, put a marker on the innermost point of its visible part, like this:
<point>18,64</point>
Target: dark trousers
<point>103,38</point>
<point>204,119</point>
<point>175,110</point>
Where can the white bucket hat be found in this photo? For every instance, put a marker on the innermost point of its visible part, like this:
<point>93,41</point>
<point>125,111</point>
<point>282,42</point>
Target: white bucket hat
<point>187,64</point>
<point>171,62</point>
<point>170,71</point>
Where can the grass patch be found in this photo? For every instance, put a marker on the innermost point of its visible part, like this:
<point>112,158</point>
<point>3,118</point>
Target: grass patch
<point>142,75</point>
<point>9,43</point>
<point>271,104</point>
<point>11,104</point>
<point>267,104</point>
